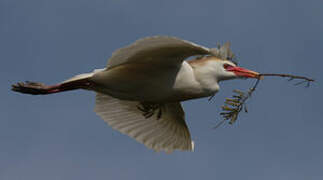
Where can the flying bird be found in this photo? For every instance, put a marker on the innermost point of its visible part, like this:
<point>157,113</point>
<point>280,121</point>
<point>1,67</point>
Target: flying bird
<point>140,91</point>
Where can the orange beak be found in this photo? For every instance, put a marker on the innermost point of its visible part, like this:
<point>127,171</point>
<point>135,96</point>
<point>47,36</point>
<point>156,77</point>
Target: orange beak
<point>242,72</point>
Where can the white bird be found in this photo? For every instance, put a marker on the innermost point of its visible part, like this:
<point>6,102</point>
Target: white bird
<point>140,90</point>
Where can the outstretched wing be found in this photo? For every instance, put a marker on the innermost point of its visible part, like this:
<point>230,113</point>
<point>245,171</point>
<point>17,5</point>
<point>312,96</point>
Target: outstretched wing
<point>157,50</point>
<point>167,134</point>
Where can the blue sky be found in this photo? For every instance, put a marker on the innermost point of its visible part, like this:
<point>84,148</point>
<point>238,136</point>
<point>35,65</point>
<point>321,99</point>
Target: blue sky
<point>60,137</point>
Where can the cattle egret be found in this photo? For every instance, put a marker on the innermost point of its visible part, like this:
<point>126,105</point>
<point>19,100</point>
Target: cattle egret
<point>139,93</point>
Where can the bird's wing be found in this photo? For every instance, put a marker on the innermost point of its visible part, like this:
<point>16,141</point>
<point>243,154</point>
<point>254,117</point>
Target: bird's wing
<point>168,133</point>
<point>157,50</point>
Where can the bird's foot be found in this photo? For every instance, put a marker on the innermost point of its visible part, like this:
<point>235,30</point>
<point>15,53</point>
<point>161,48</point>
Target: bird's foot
<point>33,88</point>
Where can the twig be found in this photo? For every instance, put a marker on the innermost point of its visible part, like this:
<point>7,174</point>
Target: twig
<point>290,76</point>
<point>237,104</point>
<point>238,101</point>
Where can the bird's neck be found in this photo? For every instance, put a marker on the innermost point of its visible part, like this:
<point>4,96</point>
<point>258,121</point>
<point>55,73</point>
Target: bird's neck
<point>204,74</point>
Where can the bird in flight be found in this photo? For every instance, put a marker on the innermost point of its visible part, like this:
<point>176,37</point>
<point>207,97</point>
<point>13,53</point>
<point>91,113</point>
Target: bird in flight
<point>140,91</point>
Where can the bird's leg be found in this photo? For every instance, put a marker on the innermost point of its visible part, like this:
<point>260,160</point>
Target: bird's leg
<point>36,88</point>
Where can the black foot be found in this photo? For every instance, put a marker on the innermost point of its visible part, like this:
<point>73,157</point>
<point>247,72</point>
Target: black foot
<point>28,87</point>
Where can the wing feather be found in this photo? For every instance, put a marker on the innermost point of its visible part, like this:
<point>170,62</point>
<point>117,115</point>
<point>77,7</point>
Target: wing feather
<point>156,49</point>
<point>168,133</point>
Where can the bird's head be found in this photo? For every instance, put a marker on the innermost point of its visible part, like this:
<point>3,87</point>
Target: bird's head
<point>219,69</point>
<point>225,70</point>
<point>223,66</point>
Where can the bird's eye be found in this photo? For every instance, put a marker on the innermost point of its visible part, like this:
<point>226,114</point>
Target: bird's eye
<point>234,62</point>
<point>227,66</point>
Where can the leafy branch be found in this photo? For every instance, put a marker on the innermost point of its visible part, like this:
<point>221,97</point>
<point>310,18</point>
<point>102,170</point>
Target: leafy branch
<point>233,106</point>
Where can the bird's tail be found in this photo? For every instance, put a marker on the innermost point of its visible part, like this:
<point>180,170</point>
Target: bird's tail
<point>82,76</point>
<point>80,81</point>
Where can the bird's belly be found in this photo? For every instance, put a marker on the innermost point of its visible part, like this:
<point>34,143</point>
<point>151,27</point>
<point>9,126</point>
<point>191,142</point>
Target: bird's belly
<point>136,83</point>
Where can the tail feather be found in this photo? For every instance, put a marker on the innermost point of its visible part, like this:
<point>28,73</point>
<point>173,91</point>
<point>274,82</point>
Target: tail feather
<point>82,76</point>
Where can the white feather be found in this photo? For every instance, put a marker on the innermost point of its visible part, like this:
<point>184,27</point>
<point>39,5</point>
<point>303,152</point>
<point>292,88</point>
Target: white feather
<point>167,134</point>
<point>156,49</point>
<point>83,76</point>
